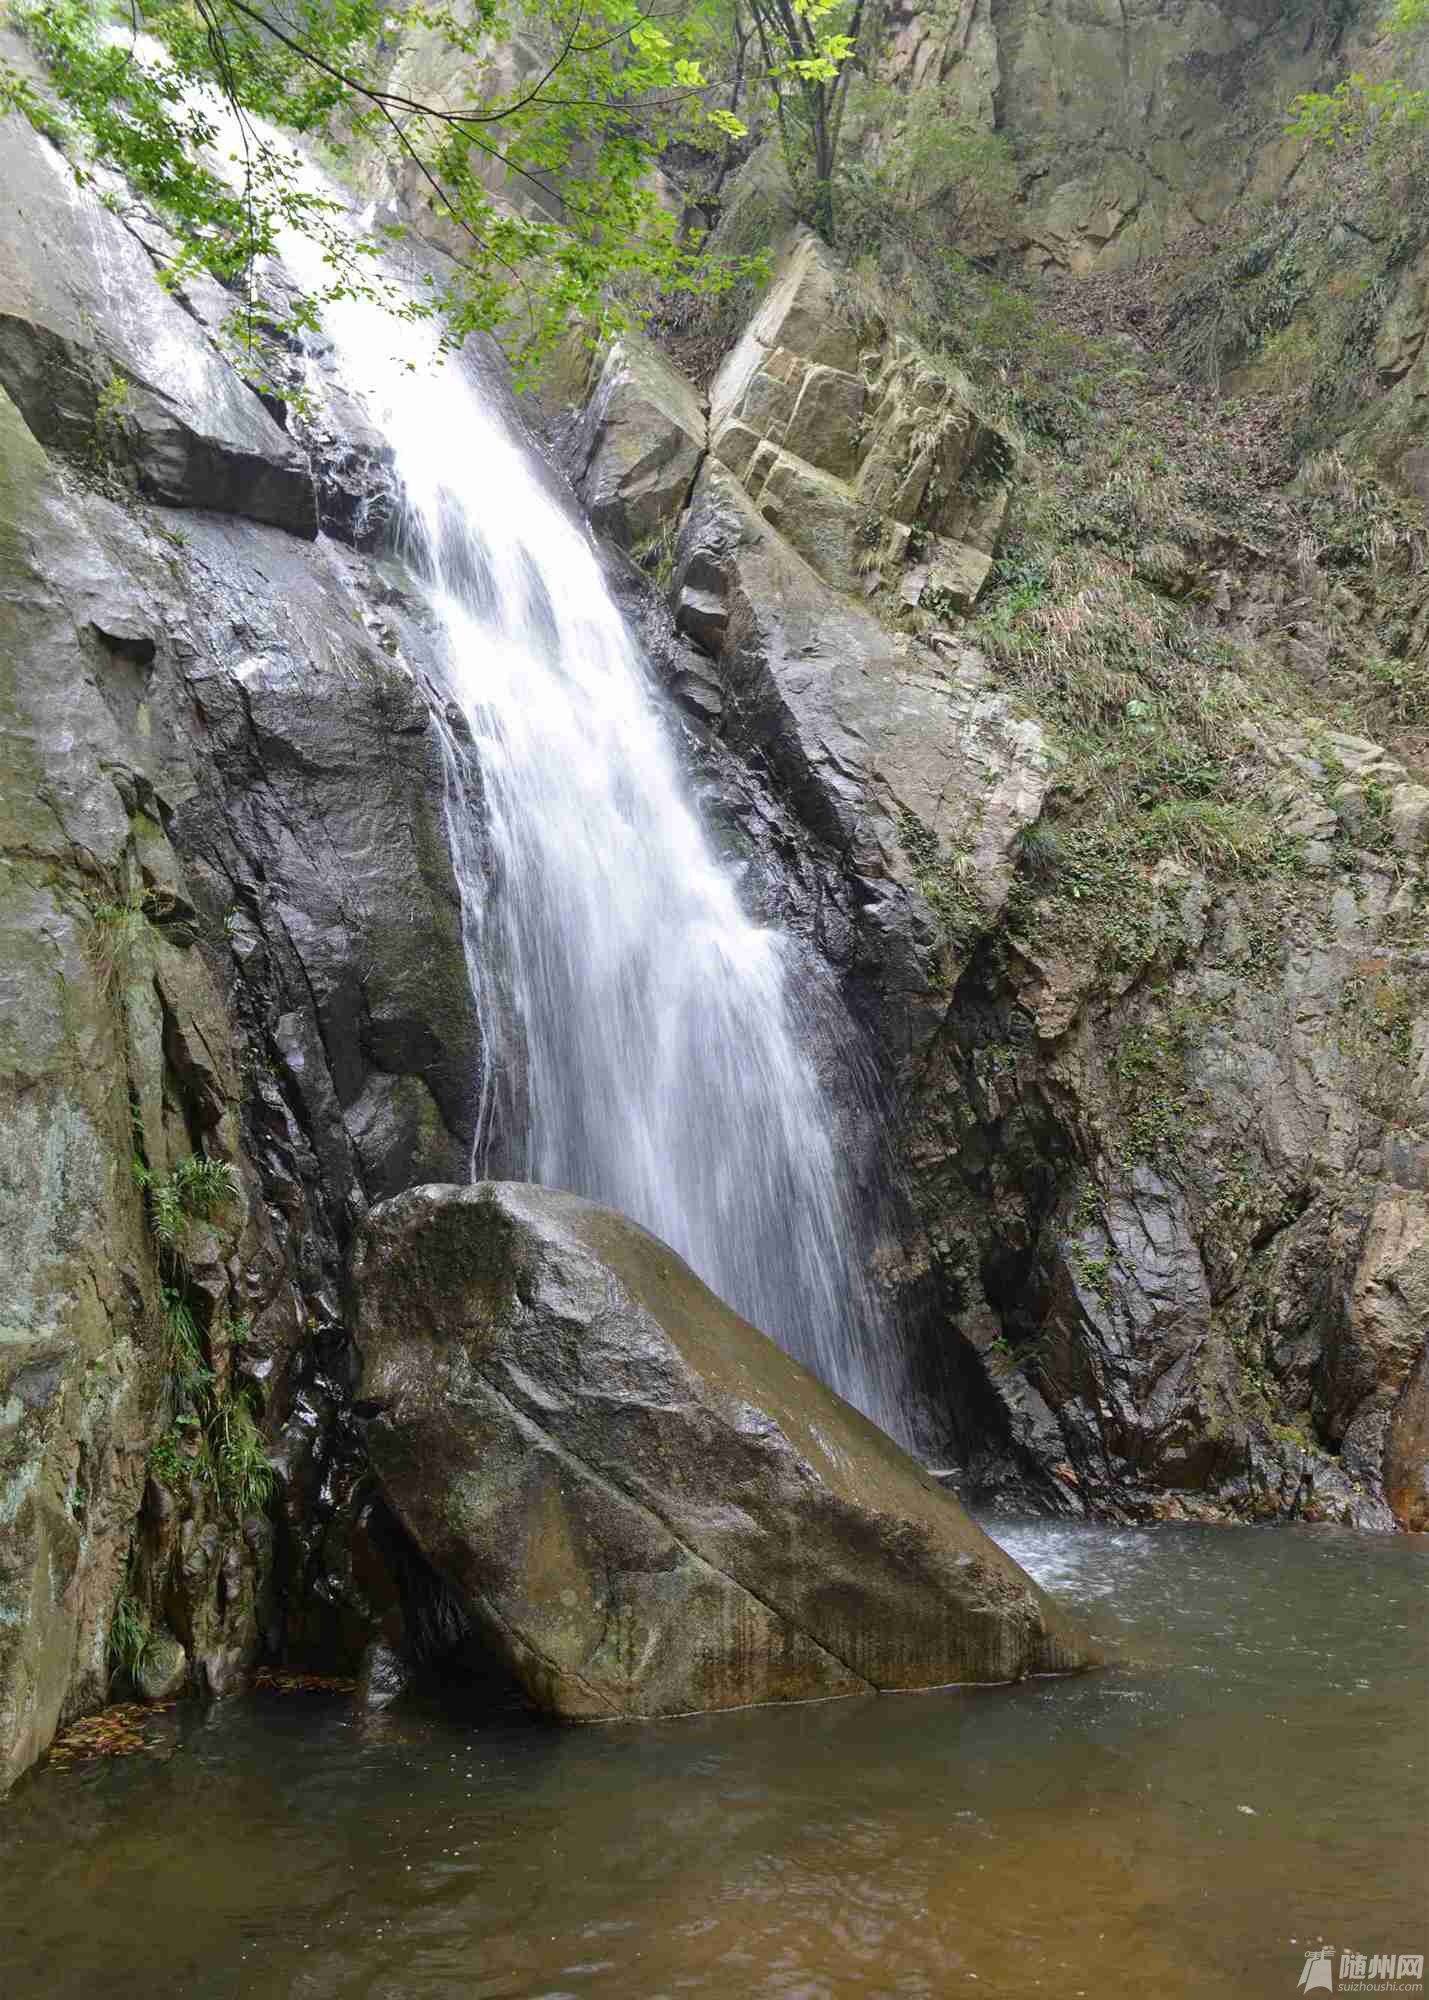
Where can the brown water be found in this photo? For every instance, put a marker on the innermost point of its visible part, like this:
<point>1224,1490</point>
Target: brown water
<point>1249,1782</point>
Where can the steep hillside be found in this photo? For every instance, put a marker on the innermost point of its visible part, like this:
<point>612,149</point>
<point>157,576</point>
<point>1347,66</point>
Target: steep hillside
<point>1167,1143</point>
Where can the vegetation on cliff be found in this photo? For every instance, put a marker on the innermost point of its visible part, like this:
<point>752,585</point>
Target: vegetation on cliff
<point>564,106</point>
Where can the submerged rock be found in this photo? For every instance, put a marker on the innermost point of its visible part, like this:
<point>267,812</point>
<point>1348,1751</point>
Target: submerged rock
<point>382,1676</point>
<point>648,1506</point>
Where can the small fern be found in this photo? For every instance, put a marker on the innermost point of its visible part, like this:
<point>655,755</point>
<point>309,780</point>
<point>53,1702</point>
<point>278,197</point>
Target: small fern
<point>203,1186</point>
<point>168,1461</point>
<point>241,1475</point>
<point>197,1189</point>
<point>184,1354</point>
<point>118,933</point>
<point>167,1219</point>
<point>129,1636</point>
<point>1039,850</point>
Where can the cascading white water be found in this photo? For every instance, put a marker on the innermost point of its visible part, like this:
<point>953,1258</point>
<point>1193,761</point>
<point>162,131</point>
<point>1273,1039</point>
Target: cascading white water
<point>664,1071</point>
<point>669,1070</point>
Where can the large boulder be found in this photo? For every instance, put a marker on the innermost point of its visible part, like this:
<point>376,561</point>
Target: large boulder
<point>647,1506</point>
<point>639,445</point>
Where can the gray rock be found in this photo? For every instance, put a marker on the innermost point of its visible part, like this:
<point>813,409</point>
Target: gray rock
<point>843,455</point>
<point>648,1506</point>
<point>103,363</point>
<point>804,313</point>
<point>164,1669</point>
<point>639,444</point>
<point>952,578</point>
<point>906,764</point>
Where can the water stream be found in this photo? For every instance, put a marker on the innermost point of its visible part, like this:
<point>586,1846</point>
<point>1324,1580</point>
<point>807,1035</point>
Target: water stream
<point>671,1046</point>
<point>1249,1782</point>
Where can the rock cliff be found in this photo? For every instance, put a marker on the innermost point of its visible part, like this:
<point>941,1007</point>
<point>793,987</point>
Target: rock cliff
<point>233,937</point>
<point>1161,1060</point>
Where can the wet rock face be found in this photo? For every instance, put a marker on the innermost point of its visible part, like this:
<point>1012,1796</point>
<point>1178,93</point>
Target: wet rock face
<point>128,1000</point>
<point>224,745</point>
<point>647,1506</point>
<point>302,684</point>
<point>1182,1225</point>
<point>115,1044</point>
<point>105,365</point>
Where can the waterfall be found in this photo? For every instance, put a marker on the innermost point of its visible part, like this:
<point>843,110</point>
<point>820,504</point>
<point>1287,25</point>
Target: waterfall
<point>671,1045</point>
<point>666,1067</point>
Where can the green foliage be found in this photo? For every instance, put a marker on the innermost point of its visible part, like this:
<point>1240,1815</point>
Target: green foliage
<point>1357,531</point>
<point>188,1371</point>
<point>1399,687</point>
<point>167,1463</point>
<point>1039,851</point>
<point>1151,1071</point>
<point>1231,302</point>
<point>807,50</point>
<point>118,936</point>
<point>572,144</point>
<point>1374,1033</point>
<point>129,1636</point>
<point>945,882</point>
<point>1095,1273</point>
<point>204,1186</point>
<point>656,554</point>
<point>214,1436</point>
<point>1360,104</point>
<point>221,1447</point>
<point>915,174</point>
<point>196,1190</point>
<point>1020,580</point>
<point>1097,616</point>
<point>106,459</point>
<point>241,1474</point>
<point>1220,835</point>
<point>1154,763</point>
